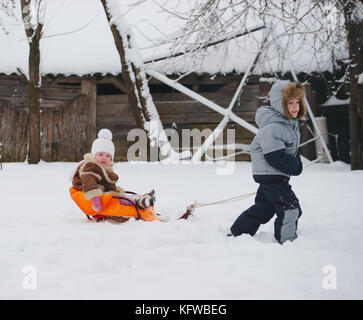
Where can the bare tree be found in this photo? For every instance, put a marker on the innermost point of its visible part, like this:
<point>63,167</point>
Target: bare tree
<point>7,9</point>
<point>133,74</point>
<point>328,29</point>
<point>354,28</point>
<point>33,24</point>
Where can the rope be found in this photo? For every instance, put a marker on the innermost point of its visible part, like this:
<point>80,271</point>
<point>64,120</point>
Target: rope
<point>195,205</point>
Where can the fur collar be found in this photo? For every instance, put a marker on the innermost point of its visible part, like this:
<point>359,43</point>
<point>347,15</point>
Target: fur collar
<point>88,157</point>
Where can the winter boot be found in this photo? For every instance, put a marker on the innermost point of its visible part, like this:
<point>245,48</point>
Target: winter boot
<point>146,200</point>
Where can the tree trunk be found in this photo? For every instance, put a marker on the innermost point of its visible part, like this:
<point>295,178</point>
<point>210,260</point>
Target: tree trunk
<point>355,41</point>
<point>128,68</point>
<point>89,89</point>
<point>144,110</point>
<point>34,98</point>
<point>34,36</point>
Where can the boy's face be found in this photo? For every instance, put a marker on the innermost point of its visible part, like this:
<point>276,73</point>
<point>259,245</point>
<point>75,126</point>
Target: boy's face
<point>103,158</point>
<point>293,106</point>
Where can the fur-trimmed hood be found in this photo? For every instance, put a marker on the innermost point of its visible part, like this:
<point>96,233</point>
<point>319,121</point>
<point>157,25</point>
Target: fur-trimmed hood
<point>280,94</point>
<point>88,157</point>
<point>94,179</point>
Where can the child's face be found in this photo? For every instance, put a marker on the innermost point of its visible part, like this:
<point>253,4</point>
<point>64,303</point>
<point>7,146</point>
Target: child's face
<point>103,158</point>
<point>293,106</point>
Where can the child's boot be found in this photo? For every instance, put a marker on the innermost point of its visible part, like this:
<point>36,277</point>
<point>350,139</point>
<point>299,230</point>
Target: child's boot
<point>146,200</point>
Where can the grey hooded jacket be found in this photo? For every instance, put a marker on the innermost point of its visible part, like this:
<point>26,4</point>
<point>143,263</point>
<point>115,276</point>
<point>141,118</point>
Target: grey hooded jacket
<point>276,132</point>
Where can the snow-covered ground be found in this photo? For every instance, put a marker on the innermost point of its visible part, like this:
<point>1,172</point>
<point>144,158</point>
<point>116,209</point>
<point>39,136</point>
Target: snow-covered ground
<point>73,258</point>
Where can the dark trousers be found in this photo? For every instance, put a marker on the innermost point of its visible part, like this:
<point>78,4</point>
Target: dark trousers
<point>274,196</point>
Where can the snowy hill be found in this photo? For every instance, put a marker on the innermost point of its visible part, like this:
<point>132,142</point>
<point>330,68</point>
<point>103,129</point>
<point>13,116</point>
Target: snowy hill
<point>79,259</point>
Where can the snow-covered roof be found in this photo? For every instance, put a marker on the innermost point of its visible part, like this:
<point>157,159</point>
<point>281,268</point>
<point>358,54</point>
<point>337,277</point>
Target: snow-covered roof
<point>77,40</point>
<point>334,101</point>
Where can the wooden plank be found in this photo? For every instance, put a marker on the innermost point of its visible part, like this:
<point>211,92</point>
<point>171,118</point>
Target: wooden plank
<point>107,121</point>
<point>13,90</point>
<point>112,99</point>
<point>13,125</point>
<point>15,101</point>
<point>116,109</point>
<point>45,103</point>
<point>89,89</point>
<point>54,93</point>
<point>50,93</point>
<point>7,80</point>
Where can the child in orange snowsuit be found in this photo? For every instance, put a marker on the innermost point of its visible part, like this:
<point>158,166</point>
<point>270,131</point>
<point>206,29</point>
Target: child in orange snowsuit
<point>94,176</point>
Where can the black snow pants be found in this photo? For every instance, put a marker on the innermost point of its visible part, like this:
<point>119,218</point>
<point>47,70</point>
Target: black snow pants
<point>274,196</point>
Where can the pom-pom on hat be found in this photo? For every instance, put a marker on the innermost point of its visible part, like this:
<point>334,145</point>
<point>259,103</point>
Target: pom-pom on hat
<point>103,143</point>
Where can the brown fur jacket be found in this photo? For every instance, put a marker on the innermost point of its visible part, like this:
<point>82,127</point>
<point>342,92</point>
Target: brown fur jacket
<point>95,180</point>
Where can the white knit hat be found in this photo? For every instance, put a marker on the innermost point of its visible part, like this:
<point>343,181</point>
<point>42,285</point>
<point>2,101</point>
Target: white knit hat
<point>103,143</point>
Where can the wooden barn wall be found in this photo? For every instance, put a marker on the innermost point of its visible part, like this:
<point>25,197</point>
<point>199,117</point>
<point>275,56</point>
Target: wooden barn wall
<point>64,113</point>
<point>64,119</point>
<point>13,132</point>
<point>178,111</point>
<point>14,90</point>
<point>64,130</point>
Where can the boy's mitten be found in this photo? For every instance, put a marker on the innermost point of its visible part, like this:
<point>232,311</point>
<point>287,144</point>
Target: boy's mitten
<point>287,163</point>
<point>300,167</point>
<point>96,204</point>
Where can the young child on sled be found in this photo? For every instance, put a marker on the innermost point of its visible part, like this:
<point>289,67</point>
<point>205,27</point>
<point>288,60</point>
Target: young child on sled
<point>95,177</point>
<point>275,157</point>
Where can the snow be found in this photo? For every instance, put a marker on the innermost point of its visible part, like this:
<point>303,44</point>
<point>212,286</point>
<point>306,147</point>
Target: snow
<point>79,259</point>
<point>360,78</point>
<point>334,101</point>
<point>77,40</point>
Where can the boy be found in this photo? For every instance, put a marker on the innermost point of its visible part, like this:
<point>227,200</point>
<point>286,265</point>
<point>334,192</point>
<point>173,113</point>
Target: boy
<point>275,157</point>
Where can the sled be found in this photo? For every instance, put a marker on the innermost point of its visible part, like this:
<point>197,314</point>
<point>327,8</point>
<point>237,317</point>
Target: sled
<point>111,207</point>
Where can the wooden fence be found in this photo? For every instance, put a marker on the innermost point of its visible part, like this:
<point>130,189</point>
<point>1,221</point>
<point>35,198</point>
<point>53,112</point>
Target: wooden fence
<point>74,108</point>
<point>63,131</point>
<point>13,132</point>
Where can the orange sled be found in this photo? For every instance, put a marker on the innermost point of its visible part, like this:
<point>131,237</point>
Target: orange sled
<point>111,207</point>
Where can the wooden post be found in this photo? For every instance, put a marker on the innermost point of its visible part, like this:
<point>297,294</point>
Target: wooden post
<point>33,36</point>
<point>354,29</point>
<point>312,118</point>
<point>265,88</point>
<point>311,97</point>
<point>89,89</point>
<point>308,150</point>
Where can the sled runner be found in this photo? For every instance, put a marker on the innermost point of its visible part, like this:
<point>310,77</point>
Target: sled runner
<point>111,207</point>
